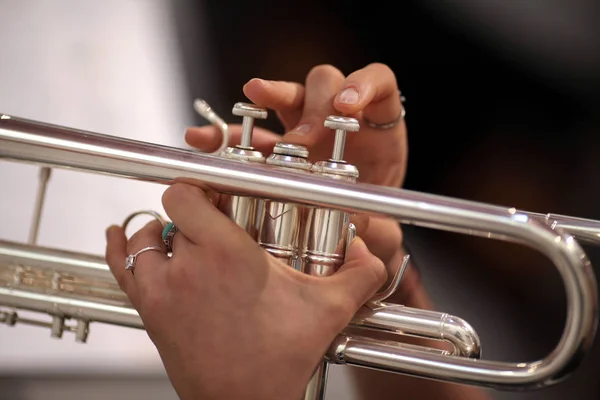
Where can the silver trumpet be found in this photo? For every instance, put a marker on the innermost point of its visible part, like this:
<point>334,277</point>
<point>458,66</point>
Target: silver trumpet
<point>300,213</point>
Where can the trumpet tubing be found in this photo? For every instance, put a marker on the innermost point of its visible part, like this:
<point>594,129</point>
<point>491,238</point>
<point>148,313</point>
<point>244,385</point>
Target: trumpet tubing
<point>300,213</point>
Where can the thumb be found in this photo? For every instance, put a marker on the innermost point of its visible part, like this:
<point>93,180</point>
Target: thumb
<point>360,277</point>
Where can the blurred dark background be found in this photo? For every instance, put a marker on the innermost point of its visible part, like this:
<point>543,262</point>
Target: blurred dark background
<point>502,107</point>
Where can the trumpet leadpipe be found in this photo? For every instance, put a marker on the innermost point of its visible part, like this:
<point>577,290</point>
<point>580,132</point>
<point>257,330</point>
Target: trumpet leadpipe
<point>63,284</point>
<point>71,285</point>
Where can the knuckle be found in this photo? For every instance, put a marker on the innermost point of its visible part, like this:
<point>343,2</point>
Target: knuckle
<point>133,244</point>
<point>323,71</point>
<point>147,236</point>
<point>173,193</point>
<point>381,68</point>
<point>179,193</point>
<point>379,271</point>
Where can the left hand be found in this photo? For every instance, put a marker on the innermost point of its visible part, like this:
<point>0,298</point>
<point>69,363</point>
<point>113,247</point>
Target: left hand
<point>380,155</point>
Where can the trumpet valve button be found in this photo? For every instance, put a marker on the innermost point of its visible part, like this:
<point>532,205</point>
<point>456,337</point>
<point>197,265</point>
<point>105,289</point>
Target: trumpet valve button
<point>288,149</point>
<point>250,112</point>
<point>341,126</point>
<point>290,156</point>
<point>342,123</point>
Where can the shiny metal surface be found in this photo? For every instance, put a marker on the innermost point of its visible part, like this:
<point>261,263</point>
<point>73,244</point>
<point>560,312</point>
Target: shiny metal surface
<point>45,173</point>
<point>327,229</point>
<point>280,230</point>
<point>59,147</point>
<point>584,230</point>
<point>63,284</point>
<point>282,224</point>
<point>244,210</point>
<point>315,389</point>
<point>341,126</point>
<point>249,112</point>
<point>423,324</point>
<point>202,108</point>
<point>325,241</point>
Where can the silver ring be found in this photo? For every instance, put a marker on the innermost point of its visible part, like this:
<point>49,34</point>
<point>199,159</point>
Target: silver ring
<point>130,260</point>
<point>394,122</point>
<point>154,214</point>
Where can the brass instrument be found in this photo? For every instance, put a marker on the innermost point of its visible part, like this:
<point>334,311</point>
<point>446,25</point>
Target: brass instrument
<point>300,213</point>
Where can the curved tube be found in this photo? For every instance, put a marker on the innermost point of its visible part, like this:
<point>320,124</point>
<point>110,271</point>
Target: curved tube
<point>426,324</point>
<point>60,147</point>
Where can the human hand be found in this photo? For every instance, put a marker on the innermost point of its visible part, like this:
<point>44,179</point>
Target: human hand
<point>229,320</point>
<point>380,155</point>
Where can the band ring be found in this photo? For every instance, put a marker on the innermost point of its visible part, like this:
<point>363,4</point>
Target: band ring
<point>154,214</point>
<point>131,259</point>
<point>392,124</point>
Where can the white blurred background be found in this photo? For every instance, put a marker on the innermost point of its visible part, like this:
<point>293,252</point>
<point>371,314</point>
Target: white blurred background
<point>110,66</point>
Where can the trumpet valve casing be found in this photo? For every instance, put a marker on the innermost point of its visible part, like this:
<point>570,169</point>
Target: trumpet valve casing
<point>243,210</point>
<point>282,223</point>
<point>327,230</point>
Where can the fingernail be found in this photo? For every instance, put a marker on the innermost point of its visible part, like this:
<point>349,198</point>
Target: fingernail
<point>349,96</point>
<point>301,129</point>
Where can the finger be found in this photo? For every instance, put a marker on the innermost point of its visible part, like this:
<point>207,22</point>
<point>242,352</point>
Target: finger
<point>371,233</point>
<point>286,98</point>
<point>361,223</point>
<point>208,138</point>
<point>359,278</point>
<point>149,262</point>
<point>322,85</point>
<point>197,218</point>
<point>116,253</point>
<point>373,91</point>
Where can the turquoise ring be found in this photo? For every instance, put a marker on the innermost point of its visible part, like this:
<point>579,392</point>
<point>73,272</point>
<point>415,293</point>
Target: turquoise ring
<point>168,233</point>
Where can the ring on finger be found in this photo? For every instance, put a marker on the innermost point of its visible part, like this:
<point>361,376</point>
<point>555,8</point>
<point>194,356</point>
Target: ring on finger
<point>132,258</point>
<point>154,214</point>
<point>168,233</point>
<point>392,124</point>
